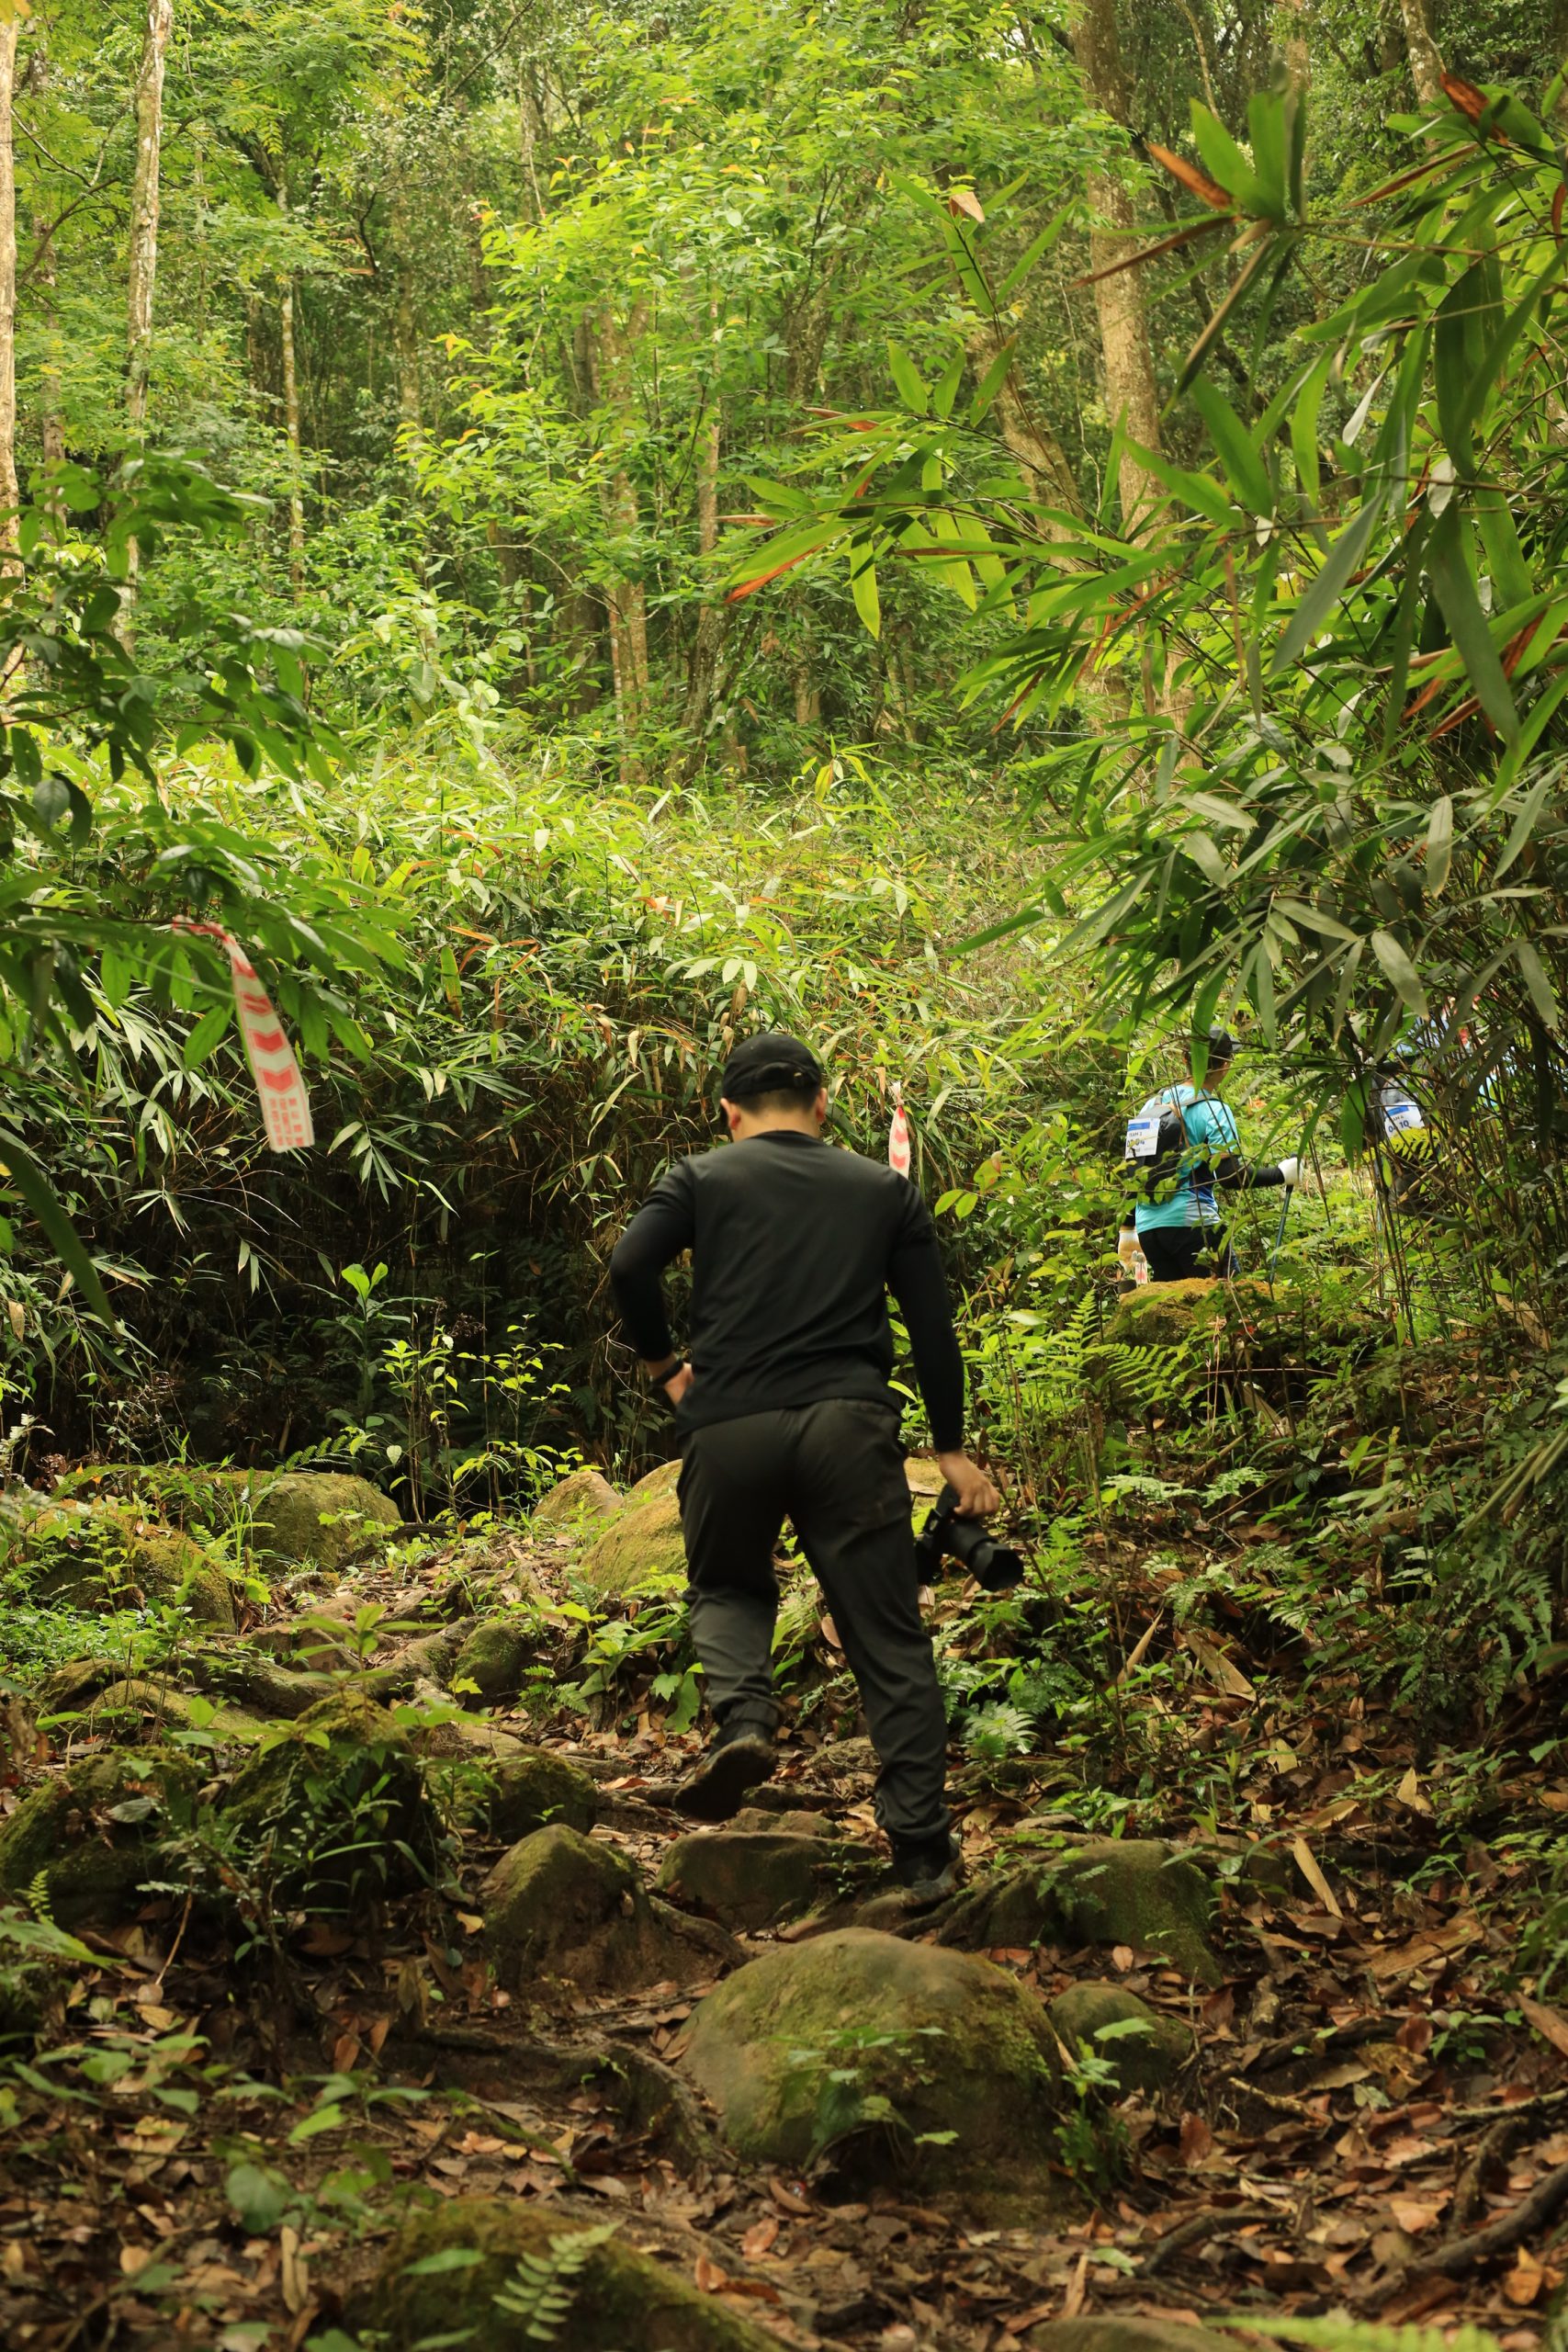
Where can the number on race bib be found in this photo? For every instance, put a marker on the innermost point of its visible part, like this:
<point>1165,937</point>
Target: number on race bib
<point>1143,1137</point>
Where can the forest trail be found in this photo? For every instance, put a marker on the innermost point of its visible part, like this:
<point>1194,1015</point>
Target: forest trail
<point>1337,2109</point>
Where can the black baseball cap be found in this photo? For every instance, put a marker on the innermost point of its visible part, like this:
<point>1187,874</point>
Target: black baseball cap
<point>771,1061</point>
<point>1221,1044</point>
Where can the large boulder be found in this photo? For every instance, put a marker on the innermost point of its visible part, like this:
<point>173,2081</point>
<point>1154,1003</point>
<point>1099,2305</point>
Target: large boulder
<point>656,1485</point>
<point>754,1878</point>
<point>324,1517</point>
<point>92,1834</point>
<point>1134,1891</point>
<point>333,1811</point>
<point>534,1789</point>
<point>110,1555</point>
<point>1146,2051</point>
<point>910,2063</point>
<point>581,1500</point>
<point>641,1545</point>
<point>561,1907</point>
<point>615,2301</point>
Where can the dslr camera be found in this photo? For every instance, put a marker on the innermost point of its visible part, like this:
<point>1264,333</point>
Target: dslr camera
<point>997,1568</point>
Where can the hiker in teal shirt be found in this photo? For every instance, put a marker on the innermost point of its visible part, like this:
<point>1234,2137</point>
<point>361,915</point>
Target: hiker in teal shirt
<point>1181,1230</point>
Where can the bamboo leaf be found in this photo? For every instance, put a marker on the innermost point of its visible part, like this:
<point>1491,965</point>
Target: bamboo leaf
<point>24,1176</point>
<point>1467,623</point>
<point>1439,845</point>
<point>1543,996</point>
<point>863,587</point>
<point>908,381</point>
<point>1344,557</point>
<point>1243,468</point>
<point>1400,971</point>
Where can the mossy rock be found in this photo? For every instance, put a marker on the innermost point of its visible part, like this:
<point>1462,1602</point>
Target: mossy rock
<point>1127,2335</point>
<point>1166,1315</point>
<point>158,1707</point>
<point>582,1501</point>
<point>561,1907</point>
<point>750,1879</point>
<point>641,1545</point>
<point>1145,2060</point>
<point>110,1555</point>
<point>933,2042</point>
<point>656,1485</point>
<point>93,1832</point>
<point>334,1810</point>
<point>620,2300</point>
<point>534,1791</point>
<point>495,1656</point>
<point>324,1517</point>
<point>1134,1891</point>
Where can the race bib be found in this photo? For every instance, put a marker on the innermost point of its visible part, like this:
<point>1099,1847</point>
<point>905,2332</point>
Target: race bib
<point>1401,1114</point>
<point>1143,1137</point>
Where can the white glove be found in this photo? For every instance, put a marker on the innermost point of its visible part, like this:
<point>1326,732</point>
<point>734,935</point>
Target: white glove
<point>1291,1169</point>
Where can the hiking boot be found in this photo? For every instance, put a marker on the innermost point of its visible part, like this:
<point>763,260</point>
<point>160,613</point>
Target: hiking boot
<point>930,1872</point>
<point>730,1769</point>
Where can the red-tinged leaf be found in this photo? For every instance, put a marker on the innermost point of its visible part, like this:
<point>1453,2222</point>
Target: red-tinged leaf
<point>709,2277</point>
<point>759,2238</point>
<point>1151,252</point>
<point>750,587</point>
<point>1408,179</point>
<point>1197,2140</point>
<point>1557,211</point>
<point>1471,102</point>
<point>1192,178</point>
<point>963,200</point>
<point>1416,2035</point>
<point>792,2199</point>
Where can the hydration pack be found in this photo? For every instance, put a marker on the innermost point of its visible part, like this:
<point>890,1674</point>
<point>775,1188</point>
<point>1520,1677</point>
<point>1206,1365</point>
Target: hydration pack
<point>1159,1151</point>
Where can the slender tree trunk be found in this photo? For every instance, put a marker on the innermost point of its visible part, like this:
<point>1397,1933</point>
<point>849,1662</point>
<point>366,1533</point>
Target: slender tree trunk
<point>1425,65</point>
<point>291,422</point>
<point>10,497</point>
<point>144,201</point>
<point>145,194</point>
<point>52,420</point>
<point>405,330</point>
<point>710,612</point>
<point>626,599</point>
<point>1131,393</point>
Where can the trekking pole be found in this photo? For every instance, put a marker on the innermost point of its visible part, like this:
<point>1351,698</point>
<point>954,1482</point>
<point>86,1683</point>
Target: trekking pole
<point>1279,1236</point>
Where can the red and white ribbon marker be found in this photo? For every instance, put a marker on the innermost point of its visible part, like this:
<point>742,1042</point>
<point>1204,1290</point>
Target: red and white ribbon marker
<point>899,1134</point>
<point>285,1104</point>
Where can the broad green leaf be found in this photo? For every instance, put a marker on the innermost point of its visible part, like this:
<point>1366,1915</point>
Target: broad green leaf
<point>1523,825</point>
<point>1452,579</point>
<point>1268,129</point>
<point>1439,845</point>
<point>204,1037</point>
<point>1401,972</point>
<point>992,381</point>
<point>910,384</point>
<point>23,1175</point>
<point>863,587</point>
<point>1243,468</point>
<point>1224,160</point>
<point>1311,614</point>
<point>1543,996</point>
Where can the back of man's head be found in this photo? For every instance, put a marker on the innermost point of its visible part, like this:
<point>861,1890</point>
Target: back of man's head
<point>771,1072</point>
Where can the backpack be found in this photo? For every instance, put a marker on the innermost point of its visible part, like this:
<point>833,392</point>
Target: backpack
<point>1159,1150</point>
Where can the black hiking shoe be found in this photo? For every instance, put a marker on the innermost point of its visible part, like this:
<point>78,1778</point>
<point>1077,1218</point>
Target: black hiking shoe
<point>727,1773</point>
<point>927,1873</point>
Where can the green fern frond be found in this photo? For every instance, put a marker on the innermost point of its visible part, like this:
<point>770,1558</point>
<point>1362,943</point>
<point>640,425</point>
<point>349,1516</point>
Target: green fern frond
<point>540,2290</point>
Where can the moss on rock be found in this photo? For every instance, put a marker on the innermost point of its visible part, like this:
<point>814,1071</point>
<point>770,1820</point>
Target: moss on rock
<point>536,1789</point>
<point>324,1517</point>
<point>641,1545</point>
<point>335,1809</point>
<point>1108,1891</point>
<point>92,1833</point>
<point>560,1905</point>
<point>924,2041</point>
<point>619,2300</point>
<point>750,1878</point>
<point>656,1485</point>
<point>581,1500</point>
<point>495,1656</point>
<point>110,1555</point>
<point>1145,2060</point>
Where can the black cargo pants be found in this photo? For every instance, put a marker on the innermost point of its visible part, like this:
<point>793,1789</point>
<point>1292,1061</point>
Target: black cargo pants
<point>837,1471</point>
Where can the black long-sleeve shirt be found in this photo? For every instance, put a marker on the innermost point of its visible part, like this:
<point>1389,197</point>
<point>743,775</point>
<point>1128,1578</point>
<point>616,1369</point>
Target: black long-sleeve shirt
<point>794,1246</point>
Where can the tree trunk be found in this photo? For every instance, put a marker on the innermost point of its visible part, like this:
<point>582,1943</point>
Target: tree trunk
<point>1425,65</point>
<point>145,198</point>
<point>710,612</point>
<point>291,423</point>
<point>609,353</point>
<point>1026,436</point>
<point>405,330</point>
<point>1129,391</point>
<point>10,563</point>
<point>52,420</point>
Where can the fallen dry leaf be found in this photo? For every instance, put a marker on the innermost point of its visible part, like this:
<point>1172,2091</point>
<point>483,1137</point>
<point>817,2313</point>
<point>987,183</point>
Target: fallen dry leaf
<point>1549,2021</point>
<point>759,2238</point>
<point>1073,2300</point>
<point>1301,1854</point>
<point>1197,2140</point>
<point>1425,1950</point>
<point>709,2277</point>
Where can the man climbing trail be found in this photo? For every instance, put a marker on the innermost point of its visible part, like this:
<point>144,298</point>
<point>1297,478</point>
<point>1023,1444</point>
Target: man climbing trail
<point>1183,1144</point>
<point>783,1409</point>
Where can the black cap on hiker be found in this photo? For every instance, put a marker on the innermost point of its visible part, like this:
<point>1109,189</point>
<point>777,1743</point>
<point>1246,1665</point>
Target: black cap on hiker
<point>1221,1045</point>
<point>771,1062</point>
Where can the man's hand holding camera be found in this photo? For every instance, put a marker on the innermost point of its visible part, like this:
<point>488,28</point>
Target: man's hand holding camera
<point>973,1494</point>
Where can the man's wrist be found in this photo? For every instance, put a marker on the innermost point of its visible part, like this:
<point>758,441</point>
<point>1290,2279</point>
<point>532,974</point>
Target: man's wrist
<point>658,1374</point>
